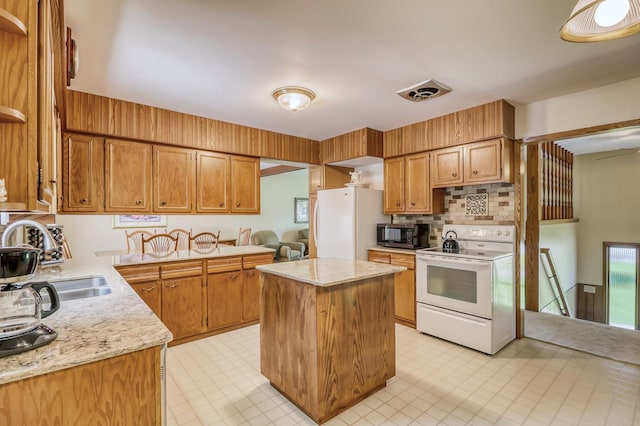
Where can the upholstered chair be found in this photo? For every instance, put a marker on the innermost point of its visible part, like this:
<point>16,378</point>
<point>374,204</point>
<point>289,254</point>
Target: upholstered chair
<point>285,250</point>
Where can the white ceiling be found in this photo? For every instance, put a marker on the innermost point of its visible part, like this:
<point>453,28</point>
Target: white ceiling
<point>622,139</point>
<point>223,58</point>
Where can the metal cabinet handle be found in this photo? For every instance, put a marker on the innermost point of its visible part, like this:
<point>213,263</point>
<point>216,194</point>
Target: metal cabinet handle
<point>147,290</point>
<point>475,172</point>
<point>454,174</point>
<point>397,203</point>
<point>413,203</point>
<point>138,202</point>
<point>237,204</point>
<point>84,201</point>
<point>221,205</point>
<point>163,203</point>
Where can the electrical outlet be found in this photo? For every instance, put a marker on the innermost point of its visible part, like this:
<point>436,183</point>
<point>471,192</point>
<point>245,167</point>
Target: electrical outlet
<point>589,289</point>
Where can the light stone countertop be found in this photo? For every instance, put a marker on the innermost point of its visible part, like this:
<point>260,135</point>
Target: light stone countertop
<point>105,326</point>
<point>325,272</point>
<point>393,250</point>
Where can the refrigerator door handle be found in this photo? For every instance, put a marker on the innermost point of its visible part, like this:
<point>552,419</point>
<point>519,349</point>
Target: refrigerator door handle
<point>315,224</point>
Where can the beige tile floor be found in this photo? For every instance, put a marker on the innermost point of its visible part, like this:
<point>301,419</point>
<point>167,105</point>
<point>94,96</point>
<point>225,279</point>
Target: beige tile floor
<point>217,381</point>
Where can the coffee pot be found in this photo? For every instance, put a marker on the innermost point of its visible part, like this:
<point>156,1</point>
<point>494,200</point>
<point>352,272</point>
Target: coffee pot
<point>21,306</point>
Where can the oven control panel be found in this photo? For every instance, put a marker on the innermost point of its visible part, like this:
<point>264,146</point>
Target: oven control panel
<point>497,233</point>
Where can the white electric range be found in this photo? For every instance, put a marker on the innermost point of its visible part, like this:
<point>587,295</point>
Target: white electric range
<point>468,296</point>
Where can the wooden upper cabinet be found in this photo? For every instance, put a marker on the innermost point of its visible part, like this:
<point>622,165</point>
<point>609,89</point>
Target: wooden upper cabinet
<point>488,161</point>
<point>128,168</point>
<point>446,167</point>
<point>173,179</point>
<point>316,179</point>
<point>417,187</point>
<point>394,177</point>
<point>82,174</point>
<point>212,182</point>
<point>245,184</point>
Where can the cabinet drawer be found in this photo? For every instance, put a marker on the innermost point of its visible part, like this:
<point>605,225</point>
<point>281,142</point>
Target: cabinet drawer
<point>181,269</point>
<point>223,265</point>
<point>250,262</point>
<point>407,260</point>
<point>139,273</point>
<point>379,257</point>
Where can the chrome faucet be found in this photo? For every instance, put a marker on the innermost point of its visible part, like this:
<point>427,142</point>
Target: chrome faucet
<point>49,242</point>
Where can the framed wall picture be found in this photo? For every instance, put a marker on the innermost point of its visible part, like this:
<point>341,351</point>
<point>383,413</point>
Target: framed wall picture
<point>300,210</point>
<point>139,221</point>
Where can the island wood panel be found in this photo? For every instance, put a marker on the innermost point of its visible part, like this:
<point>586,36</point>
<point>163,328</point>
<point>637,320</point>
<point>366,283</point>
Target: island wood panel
<point>112,117</point>
<point>326,348</point>
<point>112,391</point>
<point>359,143</point>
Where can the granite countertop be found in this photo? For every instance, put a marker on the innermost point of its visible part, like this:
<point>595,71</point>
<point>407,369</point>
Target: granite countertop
<point>105,326</point>
<point>325,272</point>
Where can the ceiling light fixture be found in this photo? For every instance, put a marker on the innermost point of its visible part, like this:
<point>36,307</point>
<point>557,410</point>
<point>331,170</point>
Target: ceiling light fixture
<point>293,98</point>
<point>598,20</point>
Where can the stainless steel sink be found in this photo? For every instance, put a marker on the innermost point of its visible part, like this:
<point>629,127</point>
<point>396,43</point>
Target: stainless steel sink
<point>80,288</point>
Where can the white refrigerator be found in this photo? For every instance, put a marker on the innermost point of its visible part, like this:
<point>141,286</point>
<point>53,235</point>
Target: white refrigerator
<point>346,219</point>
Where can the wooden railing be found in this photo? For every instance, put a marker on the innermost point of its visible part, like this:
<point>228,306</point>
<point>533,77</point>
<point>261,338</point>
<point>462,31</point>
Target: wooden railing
<point>556,182</point>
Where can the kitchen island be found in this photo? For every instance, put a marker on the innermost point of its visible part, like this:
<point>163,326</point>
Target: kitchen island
<point>327,333</point>
<point>105,367</point>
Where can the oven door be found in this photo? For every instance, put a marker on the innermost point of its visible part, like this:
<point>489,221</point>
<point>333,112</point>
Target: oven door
<point>459,284</point>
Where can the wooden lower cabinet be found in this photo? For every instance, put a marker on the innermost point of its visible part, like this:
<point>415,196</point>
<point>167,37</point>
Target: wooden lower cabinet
<point>182,307</point>
<point>118,390</point>
<point>224,299</point>
<point>197,298</point>
<point>404,284</point>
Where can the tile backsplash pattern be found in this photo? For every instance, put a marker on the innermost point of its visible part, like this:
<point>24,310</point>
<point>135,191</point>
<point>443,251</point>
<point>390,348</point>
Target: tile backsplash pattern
<point>501,209</point>
<point>476,204</point>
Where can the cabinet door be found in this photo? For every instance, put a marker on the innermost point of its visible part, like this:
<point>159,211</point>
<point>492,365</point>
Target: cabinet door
<point>127,176</point>
<point>446,167</point>
<point>405,295</point>
<point>82,173</point>
<point>405,287</point>
<point>224,299</point>
<point>212,182</point>
<point>394,185</point>
<point>251,295</point>
<point>378,256</point>
<point>417,185</point>
<point>316,179</point>
<point>482,162</point>
<point>313,251</point>
<point>151,293</point>
<point>173,179</point>
<point>182,307</point>
<point>245,184</point>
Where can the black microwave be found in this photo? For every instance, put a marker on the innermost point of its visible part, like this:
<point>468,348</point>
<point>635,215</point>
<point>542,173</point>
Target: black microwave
<point>408,236</point>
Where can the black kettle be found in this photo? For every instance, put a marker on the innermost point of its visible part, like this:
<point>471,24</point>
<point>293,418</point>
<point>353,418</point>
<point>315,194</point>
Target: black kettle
<point>450,244</point>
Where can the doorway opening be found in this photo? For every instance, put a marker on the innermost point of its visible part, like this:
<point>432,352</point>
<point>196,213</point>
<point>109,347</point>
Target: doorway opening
<point>621,264</point>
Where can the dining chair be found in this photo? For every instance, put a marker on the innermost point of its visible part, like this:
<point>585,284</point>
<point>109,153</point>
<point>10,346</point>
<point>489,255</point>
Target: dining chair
<point>204,240</point>
<point>183,238</point>
<point>244,237</point>
<point>159,243</point>
<point>134,239</point>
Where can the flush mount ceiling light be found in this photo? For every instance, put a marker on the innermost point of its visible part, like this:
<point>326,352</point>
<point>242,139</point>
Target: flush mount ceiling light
<point>598,20</point>
<point>293,98</point>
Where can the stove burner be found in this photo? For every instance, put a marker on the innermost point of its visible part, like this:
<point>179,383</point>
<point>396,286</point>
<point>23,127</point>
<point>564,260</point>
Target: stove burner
<point>450,250</point>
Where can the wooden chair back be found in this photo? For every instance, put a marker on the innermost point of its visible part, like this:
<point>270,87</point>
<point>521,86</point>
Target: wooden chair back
<point>204,240</point>
<point>183,238</point>
<point>134,239</point>
<point>159,243</point>
<point>244,237</point>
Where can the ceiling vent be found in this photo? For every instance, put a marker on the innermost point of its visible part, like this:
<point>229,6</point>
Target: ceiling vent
<point>428,89</point>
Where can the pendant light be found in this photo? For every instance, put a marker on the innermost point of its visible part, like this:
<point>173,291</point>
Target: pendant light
<point>598,20</point>
<point>293,98</point>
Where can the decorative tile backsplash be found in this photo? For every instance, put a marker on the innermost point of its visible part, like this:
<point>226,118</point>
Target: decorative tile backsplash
<point>493,204</point>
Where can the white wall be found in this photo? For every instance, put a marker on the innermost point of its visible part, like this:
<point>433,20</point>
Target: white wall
<point>607,202</point>
<point>602,105</point>
<point>90,233</point>
<point>562,239</point>
<point>372,175</point>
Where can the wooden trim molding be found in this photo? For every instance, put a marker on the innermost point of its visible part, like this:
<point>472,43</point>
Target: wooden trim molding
<point>581,132</point>
<point>532,229</point>
<point>276,170</point>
